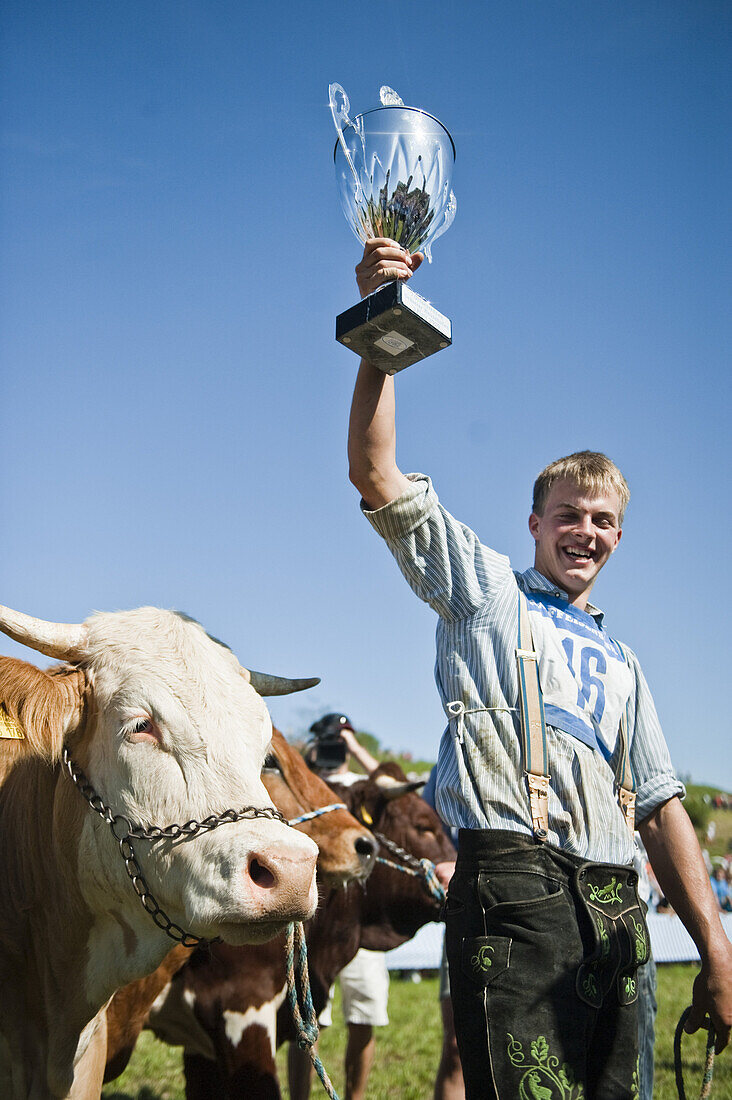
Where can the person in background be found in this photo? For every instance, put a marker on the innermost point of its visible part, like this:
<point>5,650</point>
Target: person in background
<point>449,1084</point>
<point>365,981</point>
<point>721,889</point>
<point>647,1005</point>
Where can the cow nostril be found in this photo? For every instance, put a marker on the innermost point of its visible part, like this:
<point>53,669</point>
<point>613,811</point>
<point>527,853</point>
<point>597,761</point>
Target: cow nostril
<point>260,875</point>
<point>365,846</point>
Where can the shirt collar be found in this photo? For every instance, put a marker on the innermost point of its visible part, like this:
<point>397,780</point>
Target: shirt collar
<point>537,582</point>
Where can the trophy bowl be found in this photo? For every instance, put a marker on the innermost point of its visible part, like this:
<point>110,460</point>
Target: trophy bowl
<point>393,171</point>
<point>404,160</point>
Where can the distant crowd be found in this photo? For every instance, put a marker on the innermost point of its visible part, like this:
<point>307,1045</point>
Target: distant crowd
<point>720,874</point>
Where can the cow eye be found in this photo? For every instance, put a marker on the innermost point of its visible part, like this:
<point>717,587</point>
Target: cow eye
<point>142,725</point>
<point>271,763</point>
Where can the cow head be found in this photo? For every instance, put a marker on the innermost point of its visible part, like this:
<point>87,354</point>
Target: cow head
<point>394,904</point>
<point>346,849</point>
<point>168,727</point>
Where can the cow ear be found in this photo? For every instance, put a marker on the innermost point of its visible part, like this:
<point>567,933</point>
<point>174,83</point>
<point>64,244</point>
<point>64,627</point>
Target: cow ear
<point>38,709</point>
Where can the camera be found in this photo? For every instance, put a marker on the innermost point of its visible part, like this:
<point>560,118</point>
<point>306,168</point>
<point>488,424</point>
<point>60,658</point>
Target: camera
<point>327,750</point>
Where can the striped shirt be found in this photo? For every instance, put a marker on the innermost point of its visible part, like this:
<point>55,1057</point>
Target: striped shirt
<point>584,676</point>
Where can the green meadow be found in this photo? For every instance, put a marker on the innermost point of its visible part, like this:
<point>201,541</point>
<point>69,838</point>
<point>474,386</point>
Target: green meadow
<point>408,1050</point>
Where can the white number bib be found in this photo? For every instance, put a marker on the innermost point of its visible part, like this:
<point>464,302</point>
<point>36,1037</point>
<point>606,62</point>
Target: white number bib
<point>584,678</point>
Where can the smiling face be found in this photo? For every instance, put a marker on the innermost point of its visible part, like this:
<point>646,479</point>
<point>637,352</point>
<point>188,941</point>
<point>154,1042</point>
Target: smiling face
<point>575,535</point>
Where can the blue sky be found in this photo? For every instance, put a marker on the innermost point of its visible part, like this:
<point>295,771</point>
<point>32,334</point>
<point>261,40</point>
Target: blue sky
<point>174,406</point>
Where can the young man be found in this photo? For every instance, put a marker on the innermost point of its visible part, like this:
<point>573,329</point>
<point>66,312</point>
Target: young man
<point>544,927</point>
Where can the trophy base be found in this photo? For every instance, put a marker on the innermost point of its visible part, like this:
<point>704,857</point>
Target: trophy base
<point>393,328</point>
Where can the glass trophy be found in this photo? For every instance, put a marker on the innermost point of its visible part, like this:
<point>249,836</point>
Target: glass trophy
<point>393,168</point>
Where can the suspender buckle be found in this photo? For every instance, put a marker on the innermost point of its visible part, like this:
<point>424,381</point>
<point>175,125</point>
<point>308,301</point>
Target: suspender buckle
<point>527,654</point>
<point>539,800</point>
<point>626,801</point>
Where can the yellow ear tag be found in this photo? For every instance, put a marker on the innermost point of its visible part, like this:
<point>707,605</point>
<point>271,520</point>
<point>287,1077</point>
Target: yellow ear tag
<point>9,727</point>
<point>366,816</point>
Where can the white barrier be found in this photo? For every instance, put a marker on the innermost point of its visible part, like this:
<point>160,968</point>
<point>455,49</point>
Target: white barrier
<point>669,940</point>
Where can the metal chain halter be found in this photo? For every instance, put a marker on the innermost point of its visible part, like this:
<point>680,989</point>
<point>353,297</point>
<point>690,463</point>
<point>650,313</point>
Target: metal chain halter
<point>124,832</point>
<point>420,868</point>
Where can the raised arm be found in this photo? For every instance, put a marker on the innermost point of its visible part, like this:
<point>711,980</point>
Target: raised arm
<point>368,762</point>
<point>372,431</point>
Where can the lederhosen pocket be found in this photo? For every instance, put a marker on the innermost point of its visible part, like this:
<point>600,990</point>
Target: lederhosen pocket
<point>608,896</point>
<point>485,958</point>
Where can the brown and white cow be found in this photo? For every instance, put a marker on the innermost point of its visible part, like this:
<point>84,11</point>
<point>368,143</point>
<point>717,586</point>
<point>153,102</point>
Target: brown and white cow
<point>346,853</point>
<point>222,1004</point>
<point>167,727</point>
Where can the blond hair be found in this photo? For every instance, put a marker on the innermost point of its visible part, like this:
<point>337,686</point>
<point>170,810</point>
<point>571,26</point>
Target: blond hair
<point>588,470</point>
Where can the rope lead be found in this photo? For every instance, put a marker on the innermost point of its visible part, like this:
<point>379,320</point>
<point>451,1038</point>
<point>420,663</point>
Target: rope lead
<point>706,1087</point>
<point>298,992</point>
<point>298,981</point>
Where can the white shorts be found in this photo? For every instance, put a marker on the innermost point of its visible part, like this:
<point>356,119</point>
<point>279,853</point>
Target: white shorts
<point>364,991</point>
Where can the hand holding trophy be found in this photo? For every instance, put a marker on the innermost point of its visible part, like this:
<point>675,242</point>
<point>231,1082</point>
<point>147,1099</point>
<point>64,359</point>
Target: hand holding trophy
<point>393,168</point>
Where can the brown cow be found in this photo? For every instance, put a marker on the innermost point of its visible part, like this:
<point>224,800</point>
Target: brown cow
<point>346,852</point>
<point>167,728</point>
<point>221,1006</point>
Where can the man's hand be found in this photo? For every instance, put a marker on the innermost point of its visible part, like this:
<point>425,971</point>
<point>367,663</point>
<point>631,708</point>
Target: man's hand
<point>712,996</point>
<point>444,872</point>
<point>383,261</point>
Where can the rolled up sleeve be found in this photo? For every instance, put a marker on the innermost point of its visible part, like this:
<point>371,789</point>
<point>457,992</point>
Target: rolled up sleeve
<point>444,562</point>
<point>655,778</point>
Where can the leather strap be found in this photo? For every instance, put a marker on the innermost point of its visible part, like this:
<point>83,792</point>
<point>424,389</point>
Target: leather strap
<point>624,778</point>
<point>533,726</point>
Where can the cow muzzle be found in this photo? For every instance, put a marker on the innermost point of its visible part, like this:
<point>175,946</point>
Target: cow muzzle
<point>278,881</point>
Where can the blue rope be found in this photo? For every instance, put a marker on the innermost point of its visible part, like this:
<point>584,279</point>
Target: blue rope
<point>706,1086</point>
<point>298,988</point>
<point>426,872</point>
<point>317,813</point>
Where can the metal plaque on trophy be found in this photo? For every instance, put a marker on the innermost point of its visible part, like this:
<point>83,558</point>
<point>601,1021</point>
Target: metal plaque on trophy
<point>393,168</point>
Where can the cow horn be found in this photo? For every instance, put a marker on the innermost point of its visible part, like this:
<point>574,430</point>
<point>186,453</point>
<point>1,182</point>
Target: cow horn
<point>63,641</point>
<point>395,788</point>
<point>265,684</point>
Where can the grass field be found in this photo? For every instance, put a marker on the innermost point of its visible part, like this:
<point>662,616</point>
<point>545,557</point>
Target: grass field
<point>408,1050</point>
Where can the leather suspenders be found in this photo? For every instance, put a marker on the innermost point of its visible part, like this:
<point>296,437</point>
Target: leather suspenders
<point>533,725</point>
<point>624,778</point>
<point>533,736</point>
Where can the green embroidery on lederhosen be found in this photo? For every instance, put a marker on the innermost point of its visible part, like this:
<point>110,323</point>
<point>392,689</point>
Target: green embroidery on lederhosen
<point>621,943</point>
<point>635,1083</point>
<point>482,960</point>
<point>592,981</point>
<point>641,943</point>
<point>607,895</point>
<point>604,937</point>
<point>589,985</point>
<point>543,1078</point>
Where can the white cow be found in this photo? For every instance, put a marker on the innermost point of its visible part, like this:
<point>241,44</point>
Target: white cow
<point>162,726</point>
